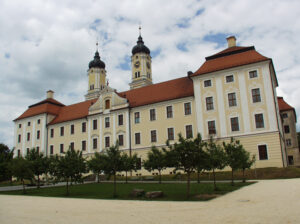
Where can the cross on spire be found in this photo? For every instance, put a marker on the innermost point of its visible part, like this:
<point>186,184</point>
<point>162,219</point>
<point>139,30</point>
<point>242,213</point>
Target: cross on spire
<point>140,29</point>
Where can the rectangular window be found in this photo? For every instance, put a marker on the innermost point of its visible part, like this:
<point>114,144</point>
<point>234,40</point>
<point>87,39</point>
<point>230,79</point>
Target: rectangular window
<point>19,152</point>
<point>259,121</point>
<point>121,140</point>
<point>288,142</point>
<point>169,111</point>
<point>153,136</point>
<point>187,109</point>
<point>229,78</point>
<point>19,138</point>
<point>51,149</point>
<point>20,125</point>
<point>38,149</point>
<point>38,134</point>
<point>61,148</point>
<point>39,121</point>
<point>207,83</point>
<point>83,127</point>
<point>256,95</point>
<point>120,119</point>
<point>234,124</point>
<point>189,131</point>
<point>231,99</point>
<point>94,143</point>
<point>72,129</point>
<point>28,124</point>
<point>211,127</point>
<point>263,153</point>
<point>209,103</point>
<point>291,160</point>
<point>28,136</point>
<point>92,87</point>
<point>72,145</point>
<point>286,129</point>
<point>137,138</point>
<point>284,115</point>
<point>253,74</point>
<point>95,124</point>
<point>137,117</point>
<point>170,133</point>
<point>107,124</point>
<point>152,115</point>
<point>107,142</point>
<point>51,133</point>
<point>62,131</point>
<point>83,145</point>
<point>27,151</point>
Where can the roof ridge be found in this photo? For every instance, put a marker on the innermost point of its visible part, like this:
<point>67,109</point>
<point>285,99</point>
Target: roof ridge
<point>219,55</point>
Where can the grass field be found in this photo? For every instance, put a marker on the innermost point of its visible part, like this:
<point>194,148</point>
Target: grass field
<point>172,192</point>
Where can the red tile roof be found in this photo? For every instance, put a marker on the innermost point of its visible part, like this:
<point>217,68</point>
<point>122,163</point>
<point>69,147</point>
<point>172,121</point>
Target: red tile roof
<point>169,90</point>
<point>284,106</point>
<point>229,58</point>
<point>49,106</point>
<point>74,111</point>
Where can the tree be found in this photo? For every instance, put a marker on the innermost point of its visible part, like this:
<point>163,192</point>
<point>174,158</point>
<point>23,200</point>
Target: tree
<point>216,158</point>
<point>97,164</point>
<point>21,169</point>
<point>6,157</point>
<point>156,160</point>
<point>38,163</point>
<point>185,155</point>
<point>114,163</point>
<point>69,167</point>
<point>234,152</point>
<point>246,162</point>
<point>129,163</point>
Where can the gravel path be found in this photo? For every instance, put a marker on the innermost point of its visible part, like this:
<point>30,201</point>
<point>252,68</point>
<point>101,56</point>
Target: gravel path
<point>268,201</point>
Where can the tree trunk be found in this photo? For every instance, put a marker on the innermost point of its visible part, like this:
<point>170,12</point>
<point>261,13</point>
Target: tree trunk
<point>188,185</point>
<point>159,171</point>
<point>232,182</point>
<point>24,191</point>
<point>198,177</point>
<point>244,180</point>
<point>98,176</point>
<point>115,186</point>
<point>38,183</point>
<point>11,181</point>
<point>126,181</point>
<point>215,186</point>
<point>67,187</point>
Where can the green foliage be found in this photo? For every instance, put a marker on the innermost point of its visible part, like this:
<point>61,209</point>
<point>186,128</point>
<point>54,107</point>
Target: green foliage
<point>129,163</point>
<point>156,160</point>
<point>97,164</point>
<point>21,169</point>
<point>68,168</point>
<point>38,163</point>
<point>246,162</point>
<point>216,157</point>
<point>6,156</point>
<point>114,163</point>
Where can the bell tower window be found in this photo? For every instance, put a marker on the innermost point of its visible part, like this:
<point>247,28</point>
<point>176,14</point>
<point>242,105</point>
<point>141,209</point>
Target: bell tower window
<point>92,87</point>
<point>107,104</point>
<point>137,74</point>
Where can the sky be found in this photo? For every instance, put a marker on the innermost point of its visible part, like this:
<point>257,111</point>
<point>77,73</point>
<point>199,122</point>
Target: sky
<point>48,44</point>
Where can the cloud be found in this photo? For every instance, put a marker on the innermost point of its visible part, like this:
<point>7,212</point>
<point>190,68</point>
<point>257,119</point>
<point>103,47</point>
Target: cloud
<point>48,44</point>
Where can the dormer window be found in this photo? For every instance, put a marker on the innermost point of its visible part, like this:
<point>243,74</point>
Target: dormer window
<point>107,104</point>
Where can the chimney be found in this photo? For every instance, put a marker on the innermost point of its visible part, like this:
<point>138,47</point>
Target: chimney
<point>50,94</point>
<point>231,41</point>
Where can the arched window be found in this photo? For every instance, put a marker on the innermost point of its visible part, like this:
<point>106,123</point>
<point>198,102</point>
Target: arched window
<point>107,104</point>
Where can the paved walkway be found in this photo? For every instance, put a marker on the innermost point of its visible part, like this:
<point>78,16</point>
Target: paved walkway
<point>269,201</point>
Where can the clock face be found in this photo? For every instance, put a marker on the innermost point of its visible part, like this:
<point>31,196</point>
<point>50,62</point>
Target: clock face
<point>148,65</point>
<point>137,64</point>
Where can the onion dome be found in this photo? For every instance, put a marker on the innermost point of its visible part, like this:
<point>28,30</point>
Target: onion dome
<point>96,63</point>
<point>140,47</point>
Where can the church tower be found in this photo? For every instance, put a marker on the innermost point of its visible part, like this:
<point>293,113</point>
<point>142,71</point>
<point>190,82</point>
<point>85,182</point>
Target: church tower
<point>97,77</point>
<point>140,64</point>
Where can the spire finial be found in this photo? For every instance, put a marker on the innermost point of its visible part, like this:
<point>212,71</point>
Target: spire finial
<point>140,28</point>
<point>97,45</point>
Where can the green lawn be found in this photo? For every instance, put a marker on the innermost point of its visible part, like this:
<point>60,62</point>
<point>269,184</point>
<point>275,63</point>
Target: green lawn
<point>172,192</point>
